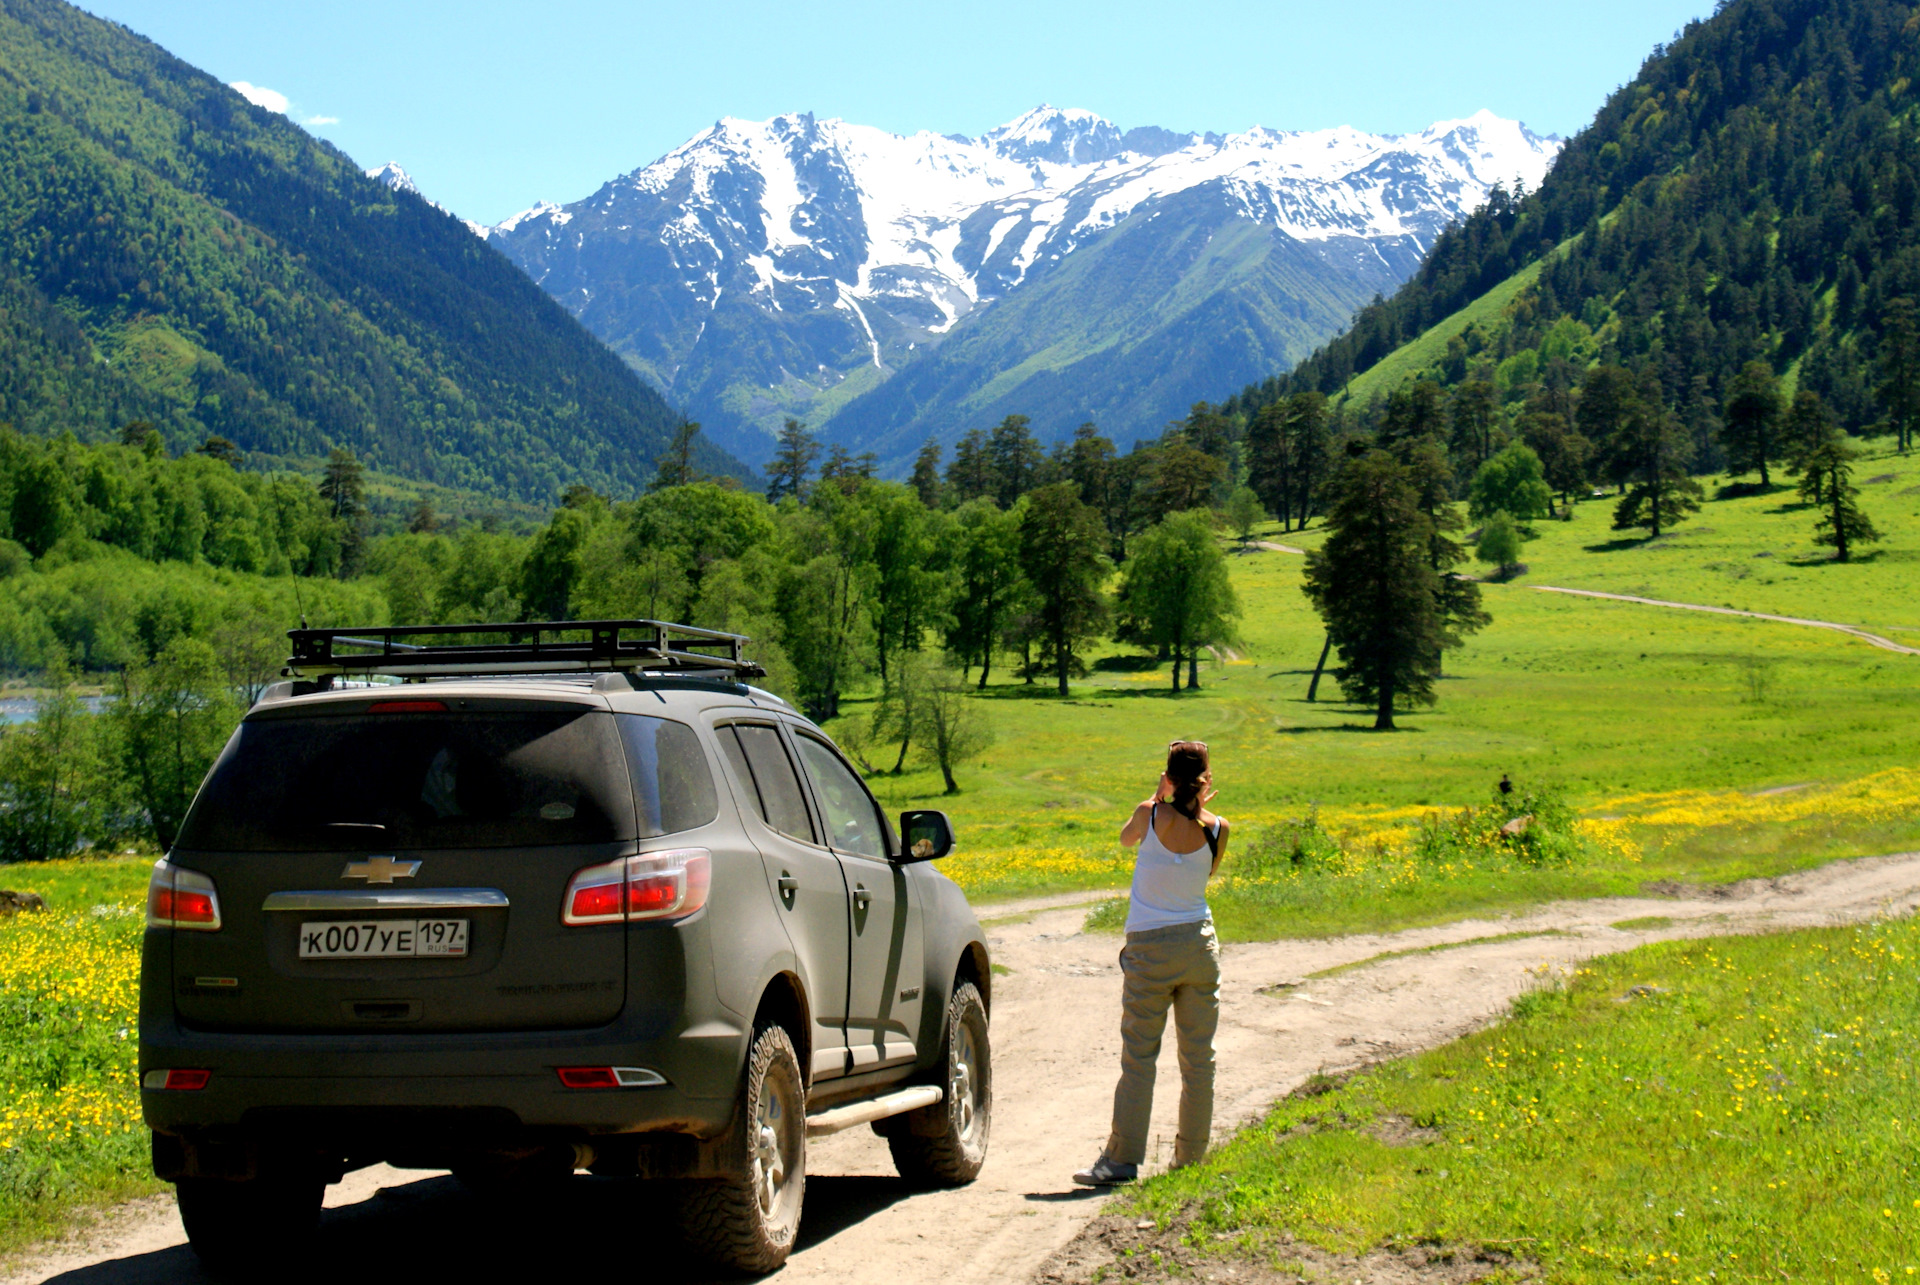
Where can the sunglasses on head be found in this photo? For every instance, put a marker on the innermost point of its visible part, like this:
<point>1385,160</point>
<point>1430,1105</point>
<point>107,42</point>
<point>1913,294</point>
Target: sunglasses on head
<point>1187,745</point>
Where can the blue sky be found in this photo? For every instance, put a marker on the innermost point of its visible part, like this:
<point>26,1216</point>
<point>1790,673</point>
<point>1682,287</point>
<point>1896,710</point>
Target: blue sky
<point>492,106</point>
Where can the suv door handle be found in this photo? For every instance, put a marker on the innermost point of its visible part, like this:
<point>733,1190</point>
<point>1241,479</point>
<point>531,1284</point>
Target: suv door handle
<point>861,896</point>
<point>789,888</point>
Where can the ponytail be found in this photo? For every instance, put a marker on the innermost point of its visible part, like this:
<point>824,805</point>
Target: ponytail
<point>1187,765</point>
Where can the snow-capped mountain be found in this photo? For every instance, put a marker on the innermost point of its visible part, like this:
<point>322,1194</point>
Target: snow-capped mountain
<point>796,266</point>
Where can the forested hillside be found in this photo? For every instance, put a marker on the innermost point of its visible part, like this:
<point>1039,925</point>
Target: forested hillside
<point>1749,197</point>
<point>173,254</point>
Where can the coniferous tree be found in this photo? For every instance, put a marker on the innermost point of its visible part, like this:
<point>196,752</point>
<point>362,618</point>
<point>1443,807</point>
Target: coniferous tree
<point>1652,449</point>
<point>1899,389</point>
<point>675,465</point>
<point>1474,412</point>
<point>1087,462</point>
<point>792,465</point>
<point>1060,539</point>
<point>1828,481</point>
<point>343,488</point>
<point>971,474</point>
<point>1373,583</point>
<point>1014,457</point>
<point>926,473</point>
<point>1609,400</point>
<point>1750,424</point>
<point>1456,598</point>
<point>1184,477</point>
<point>1808,427</point>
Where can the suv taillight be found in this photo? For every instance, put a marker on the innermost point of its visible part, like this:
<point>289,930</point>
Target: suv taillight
<point>653,885</point>
<point>179,898</point>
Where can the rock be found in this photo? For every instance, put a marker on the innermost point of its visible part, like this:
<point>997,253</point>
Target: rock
<point>12,902</point>
<point>1518,825</point>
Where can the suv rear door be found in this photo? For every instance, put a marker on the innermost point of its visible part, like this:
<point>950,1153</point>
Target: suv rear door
<point>326,825</point>
<point>803,876</point>
<point>886,967</point>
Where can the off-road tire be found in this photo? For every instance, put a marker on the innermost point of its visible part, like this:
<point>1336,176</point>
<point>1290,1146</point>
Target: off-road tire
<point>747,1221</point>
<point>246,1228</point>
<point>945,1144</point>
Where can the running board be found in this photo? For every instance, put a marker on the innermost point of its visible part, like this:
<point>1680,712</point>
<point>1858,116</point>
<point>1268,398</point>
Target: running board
<point>819,1126</point>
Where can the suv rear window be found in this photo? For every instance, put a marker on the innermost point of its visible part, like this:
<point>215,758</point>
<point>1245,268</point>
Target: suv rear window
<point>417,781</point>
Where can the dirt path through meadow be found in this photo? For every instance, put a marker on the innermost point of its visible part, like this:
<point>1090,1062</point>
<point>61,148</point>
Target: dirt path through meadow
<point>1885,644</point>
<point>1056,1050</point>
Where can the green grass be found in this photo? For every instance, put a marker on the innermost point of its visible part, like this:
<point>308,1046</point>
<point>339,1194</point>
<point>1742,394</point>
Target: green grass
<point>1740,1109</point>
<point>1645,923</point>
<point>1409,359</point>
<point>70,1129</point>
<point>1604,700</point>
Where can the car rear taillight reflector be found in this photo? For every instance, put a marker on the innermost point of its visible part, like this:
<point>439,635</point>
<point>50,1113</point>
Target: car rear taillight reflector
<point>588,1077</point>
<point>609,1077</point>
<point>179,898</point>
<point>407,707</point>
<point>653,885</point>
<point>177,1078</point>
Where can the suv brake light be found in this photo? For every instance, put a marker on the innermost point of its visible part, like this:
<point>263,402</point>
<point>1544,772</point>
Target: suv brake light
<point>179,898</point>
<point>653,885</point>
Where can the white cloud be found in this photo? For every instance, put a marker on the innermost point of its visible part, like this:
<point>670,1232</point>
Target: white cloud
<point>271,99</point>
<point>322,120</point>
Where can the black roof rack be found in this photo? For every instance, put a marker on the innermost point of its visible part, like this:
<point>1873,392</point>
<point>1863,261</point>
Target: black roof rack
<point>530,647</point>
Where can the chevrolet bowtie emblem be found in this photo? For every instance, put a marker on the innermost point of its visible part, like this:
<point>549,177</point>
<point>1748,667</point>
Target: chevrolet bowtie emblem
<point>380,870</point>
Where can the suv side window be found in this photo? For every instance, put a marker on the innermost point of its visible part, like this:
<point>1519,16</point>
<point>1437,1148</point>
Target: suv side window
<point>673,788</point>
<point>851,819</point>
<point>761,763</point>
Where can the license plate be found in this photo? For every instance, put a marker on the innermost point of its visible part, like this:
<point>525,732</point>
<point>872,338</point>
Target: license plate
<point>384,939</point>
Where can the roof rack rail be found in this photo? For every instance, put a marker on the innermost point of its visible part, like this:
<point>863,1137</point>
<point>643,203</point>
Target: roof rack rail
<point>529,647</point>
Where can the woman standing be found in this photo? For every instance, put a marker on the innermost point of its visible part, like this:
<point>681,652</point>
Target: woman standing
<point>1171,959</point>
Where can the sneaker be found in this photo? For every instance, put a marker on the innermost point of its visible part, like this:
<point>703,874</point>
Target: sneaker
<point>1105,1173</point>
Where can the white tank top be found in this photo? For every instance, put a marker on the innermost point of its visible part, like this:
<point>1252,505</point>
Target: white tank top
<point>1169,887</point>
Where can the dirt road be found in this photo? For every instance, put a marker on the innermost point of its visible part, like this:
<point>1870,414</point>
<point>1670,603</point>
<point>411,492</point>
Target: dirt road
<point>1885,644</point>
<point>1056,1048</point>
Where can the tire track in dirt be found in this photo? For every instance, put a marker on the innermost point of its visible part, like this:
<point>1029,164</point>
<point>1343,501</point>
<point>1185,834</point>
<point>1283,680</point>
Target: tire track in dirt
<point>1056,1047</point>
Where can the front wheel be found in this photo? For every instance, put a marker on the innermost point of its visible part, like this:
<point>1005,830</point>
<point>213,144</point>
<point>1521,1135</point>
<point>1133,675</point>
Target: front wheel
<point>747,1221</point>
<point>244,1227</point>
<point>945,1144</point>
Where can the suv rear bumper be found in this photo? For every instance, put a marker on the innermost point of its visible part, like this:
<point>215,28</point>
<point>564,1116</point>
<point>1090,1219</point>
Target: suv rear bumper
<point>260,1083</point>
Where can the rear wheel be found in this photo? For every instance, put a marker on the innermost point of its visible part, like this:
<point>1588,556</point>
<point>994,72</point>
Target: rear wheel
<point>945,1144</point>
<point>747,1220</point>
<point>243,1227</point>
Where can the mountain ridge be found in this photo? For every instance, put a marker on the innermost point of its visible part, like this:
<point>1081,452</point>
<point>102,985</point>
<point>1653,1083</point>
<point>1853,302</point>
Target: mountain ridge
<point>798,265</point>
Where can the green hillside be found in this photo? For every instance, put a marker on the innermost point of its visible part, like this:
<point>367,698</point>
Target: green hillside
<point>169,252</point>
<point>1750,196</point>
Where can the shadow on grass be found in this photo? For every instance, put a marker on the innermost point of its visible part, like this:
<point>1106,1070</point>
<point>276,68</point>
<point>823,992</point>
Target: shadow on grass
<point>1127,664</point>
<point>1618,546</point>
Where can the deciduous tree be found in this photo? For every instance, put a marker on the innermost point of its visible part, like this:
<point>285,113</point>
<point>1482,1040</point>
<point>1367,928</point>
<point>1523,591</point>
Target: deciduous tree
<point>1060,552</point>
<point>1175,592</point>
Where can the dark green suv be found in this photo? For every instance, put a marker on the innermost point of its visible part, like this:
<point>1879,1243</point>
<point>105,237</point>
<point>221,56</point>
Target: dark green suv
<point>565,897</point>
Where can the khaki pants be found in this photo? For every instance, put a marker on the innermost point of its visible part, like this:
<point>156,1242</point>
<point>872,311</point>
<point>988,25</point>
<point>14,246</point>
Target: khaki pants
<point>1177,967</point>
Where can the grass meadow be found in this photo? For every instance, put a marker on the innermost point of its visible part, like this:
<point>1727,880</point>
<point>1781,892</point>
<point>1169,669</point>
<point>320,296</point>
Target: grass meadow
<point>1739,1109</point>
<point>70,1131</point>
<point>1689,747</point>
<point>1697,748</point>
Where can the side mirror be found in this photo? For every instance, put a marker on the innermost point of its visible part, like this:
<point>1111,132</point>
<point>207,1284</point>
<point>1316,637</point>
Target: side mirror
<point>924,836</point>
